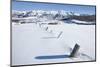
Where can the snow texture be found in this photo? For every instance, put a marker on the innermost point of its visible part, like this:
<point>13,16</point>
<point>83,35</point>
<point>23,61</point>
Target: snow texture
<point>43,37</point>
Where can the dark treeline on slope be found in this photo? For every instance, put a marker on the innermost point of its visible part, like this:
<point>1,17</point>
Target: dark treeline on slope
<point>88,18</point>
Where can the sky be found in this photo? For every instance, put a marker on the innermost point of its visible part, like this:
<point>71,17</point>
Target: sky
<point>22,6</point>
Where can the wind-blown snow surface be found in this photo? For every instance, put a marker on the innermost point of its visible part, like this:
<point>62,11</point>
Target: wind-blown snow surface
<point>31,40</point>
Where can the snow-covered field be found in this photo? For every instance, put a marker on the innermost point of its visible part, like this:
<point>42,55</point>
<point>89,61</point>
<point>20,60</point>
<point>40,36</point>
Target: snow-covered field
<point>30,40</point>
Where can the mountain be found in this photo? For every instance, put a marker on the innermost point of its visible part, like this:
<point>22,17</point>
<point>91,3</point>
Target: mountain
<point>61,15</point>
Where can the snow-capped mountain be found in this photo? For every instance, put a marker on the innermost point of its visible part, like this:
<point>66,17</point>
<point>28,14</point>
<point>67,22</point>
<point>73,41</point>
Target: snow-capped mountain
<point>41,13</point>
<point>61,15</point>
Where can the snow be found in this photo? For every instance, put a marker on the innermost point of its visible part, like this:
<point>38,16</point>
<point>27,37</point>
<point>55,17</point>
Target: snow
<point>78,21</point>
<point>42,33</point>
<point>30,40</point>
<point>43,12</point>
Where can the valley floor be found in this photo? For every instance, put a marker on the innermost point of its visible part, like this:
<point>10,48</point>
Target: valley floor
<point>30,40</point>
